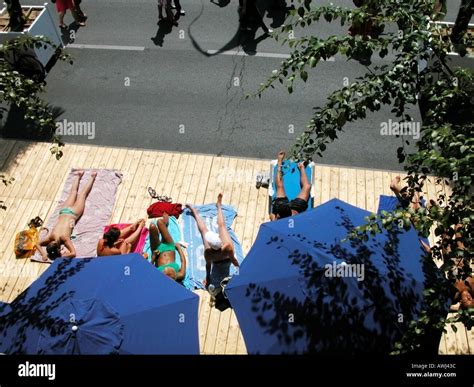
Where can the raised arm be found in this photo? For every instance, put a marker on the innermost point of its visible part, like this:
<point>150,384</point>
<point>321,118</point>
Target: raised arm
<point>70,246</point>
<point>44,242</point>
<point>182,271</point>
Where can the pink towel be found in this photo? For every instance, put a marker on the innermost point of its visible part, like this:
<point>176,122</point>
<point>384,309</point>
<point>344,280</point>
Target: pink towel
<point>138,246</point>
<point>99,206</point>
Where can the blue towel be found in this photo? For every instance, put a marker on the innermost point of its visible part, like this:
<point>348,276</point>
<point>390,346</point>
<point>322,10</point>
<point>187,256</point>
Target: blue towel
<point>175,232</point>
<point>291,180</point>
<point>391,203</point>
<point>191,234</point>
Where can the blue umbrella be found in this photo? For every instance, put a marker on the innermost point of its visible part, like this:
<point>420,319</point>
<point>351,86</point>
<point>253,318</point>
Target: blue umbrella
<point>303,289</point>
<point>104,305</point>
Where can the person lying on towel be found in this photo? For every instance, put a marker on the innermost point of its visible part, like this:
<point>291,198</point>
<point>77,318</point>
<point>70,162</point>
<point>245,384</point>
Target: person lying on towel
<point>164,250</point>
<point>61,233</point>
<point>282,207</point>
<point>218,248</point>
<point>465,293</point>
<point>116,241</point>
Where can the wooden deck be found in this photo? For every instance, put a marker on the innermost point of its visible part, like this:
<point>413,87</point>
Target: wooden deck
<point>190,178</point>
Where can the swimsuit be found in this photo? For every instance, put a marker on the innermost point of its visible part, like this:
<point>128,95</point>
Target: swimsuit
<point>162,248</point>
<point>67,211</point>
<point>173,265</point>
<point>219,271</point>
<point>299,205</point>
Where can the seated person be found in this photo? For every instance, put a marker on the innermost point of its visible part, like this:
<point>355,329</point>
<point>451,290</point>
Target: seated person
<point>164,250</point>
<point>68,216</point>
<point>218,248</point>
<point>282,207</point>
<point>116,242</point>
<point>403,196</point>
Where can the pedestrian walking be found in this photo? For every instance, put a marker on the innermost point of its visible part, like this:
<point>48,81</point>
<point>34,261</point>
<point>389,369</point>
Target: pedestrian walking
<point>62,6</point>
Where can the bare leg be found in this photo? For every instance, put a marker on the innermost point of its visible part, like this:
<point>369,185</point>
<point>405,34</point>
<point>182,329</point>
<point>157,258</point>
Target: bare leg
<point>129,230</point>
<point>201,225</point>
<point>160,11</point>
<point>61,19</point>
<point>304,182</point>
<point>165,234</point>
<point>71,199</point>
<point>223,232</point>
<point>396,186</point>
<point>401,194</point>
<point>154,242</point>
<point>136,234</point>
<point>80,204</point>
<point>279,180</point>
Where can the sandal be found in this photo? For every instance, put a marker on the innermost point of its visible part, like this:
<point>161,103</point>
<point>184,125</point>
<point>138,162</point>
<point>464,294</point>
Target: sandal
<point>152,193</point>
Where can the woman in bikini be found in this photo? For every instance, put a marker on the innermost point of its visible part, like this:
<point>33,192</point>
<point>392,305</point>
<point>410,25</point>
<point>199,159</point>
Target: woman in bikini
<point>117,242</point>
<point>164,250</point>
<point>73,209</point>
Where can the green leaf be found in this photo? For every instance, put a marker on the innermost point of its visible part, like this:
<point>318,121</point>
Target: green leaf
<point>304,75</point>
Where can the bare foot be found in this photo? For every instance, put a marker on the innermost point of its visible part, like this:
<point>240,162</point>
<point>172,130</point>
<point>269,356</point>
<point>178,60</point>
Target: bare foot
<point>80,174</point>
<point>395,185</point>
<point>219,200</point>
<point>94,174</point>
<point>281,156</point>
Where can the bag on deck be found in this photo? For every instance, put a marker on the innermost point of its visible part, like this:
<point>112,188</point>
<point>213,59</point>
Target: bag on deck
<point>26,240</point>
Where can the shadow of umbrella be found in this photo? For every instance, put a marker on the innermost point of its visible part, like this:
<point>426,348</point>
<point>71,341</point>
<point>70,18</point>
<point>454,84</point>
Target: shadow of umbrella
<point>302,289</point>
<point>103,305</point>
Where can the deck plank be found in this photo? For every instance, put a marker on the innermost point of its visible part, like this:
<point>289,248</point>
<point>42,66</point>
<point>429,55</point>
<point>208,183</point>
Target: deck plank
<point>187,178</point>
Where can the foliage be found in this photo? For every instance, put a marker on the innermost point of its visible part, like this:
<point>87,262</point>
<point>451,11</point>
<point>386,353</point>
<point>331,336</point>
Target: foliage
<point>420,73</point>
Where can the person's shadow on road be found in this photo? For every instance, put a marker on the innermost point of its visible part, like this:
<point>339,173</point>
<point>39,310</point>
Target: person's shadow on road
<point>278,11</point>
<point>164,28</point>
<point>220,3</point>
<point>249,43</point>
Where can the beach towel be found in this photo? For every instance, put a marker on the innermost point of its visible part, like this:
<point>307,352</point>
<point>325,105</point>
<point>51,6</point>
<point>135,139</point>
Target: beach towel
<point>157,209</point>
<point>97,213</point>
<point>291,181</point>
<point>191,234</point>
<point>175,232</point>
<point>139,244</point>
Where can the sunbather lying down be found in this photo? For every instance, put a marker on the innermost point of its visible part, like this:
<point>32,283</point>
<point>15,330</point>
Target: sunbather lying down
<point>116,241</point>
<point>465,293</point>
<point>61,233</point>
<point>218,248</point>
<point>164,250</point>
<point>282,207</point>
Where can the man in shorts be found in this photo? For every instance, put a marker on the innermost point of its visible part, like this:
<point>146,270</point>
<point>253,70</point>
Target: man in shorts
<point>282,207</point>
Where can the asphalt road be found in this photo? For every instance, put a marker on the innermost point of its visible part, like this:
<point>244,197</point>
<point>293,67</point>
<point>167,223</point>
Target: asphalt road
<point>142,85</point>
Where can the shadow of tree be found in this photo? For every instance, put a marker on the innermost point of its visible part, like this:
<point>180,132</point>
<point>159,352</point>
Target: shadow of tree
<point>30,311</point>
<point>16,126</point>
<point>340,315</point>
